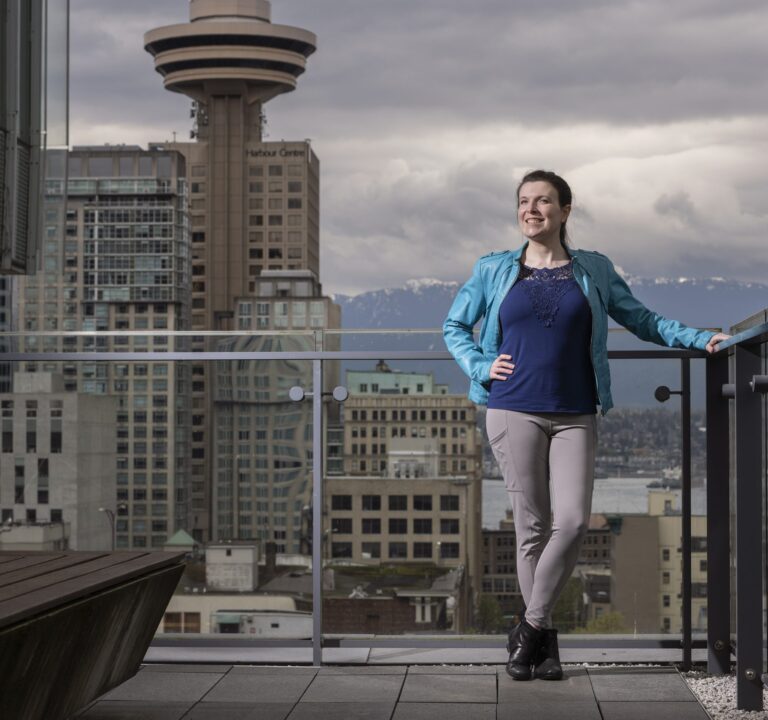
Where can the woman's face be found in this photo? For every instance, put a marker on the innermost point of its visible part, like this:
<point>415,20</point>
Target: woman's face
<point>539,213</point>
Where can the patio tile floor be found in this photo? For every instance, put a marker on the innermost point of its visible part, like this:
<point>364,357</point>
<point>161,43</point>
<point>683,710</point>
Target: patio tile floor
<point>402,692</point>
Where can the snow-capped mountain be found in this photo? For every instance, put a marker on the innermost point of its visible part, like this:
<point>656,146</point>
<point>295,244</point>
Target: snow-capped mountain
<point>423,303</point>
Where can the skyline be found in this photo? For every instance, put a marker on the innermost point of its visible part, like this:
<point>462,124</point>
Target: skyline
<point>654,114</point>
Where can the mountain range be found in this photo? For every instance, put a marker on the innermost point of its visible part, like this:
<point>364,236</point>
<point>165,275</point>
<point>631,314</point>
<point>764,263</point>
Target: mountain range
<point>423,303</point>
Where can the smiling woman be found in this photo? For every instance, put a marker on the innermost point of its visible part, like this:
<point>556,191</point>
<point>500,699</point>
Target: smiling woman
<point>541,365</point>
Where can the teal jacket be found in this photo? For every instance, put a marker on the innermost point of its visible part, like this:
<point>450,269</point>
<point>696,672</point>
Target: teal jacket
<point>606,293</point>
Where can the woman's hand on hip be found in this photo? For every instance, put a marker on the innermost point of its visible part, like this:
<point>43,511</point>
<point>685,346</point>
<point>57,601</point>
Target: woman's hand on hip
<point>501,367</point>
<point>714,340</point>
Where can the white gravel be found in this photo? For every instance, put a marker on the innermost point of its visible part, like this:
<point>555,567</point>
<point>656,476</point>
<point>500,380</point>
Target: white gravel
<point>717,693</point>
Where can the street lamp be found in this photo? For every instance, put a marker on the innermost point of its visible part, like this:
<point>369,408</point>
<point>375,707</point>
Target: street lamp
<point>111,517</point>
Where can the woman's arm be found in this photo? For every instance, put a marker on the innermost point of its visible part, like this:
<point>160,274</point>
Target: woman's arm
<point>467,308</point>
<point>627,310</point>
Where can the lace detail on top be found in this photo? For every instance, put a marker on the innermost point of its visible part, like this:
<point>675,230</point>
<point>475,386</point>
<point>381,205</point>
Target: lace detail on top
<point>545,287</point>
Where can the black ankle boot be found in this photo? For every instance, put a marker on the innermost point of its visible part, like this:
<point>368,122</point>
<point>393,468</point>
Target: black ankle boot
<point>547,659</point>
<point>511,634</point>
<point>523,647</point>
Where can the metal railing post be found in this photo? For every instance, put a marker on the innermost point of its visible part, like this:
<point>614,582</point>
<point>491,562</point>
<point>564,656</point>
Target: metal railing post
<point>749,556</point>
<point>685,425</point>
<point>317,512</point>
<point>718,518</point>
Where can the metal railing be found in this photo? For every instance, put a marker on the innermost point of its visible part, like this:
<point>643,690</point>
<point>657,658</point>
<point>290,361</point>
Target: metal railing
<point>736,373</point>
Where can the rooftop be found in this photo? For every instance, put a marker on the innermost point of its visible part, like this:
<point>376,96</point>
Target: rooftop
<point>395,692</point>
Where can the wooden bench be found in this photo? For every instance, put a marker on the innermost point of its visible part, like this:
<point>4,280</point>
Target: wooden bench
<point>74,625</point>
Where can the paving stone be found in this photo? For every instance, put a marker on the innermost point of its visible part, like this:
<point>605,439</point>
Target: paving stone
<point>364,670</point>
<point>341,711</point>
<point>529,708</point>
<point>657,710</point>
<point>190,668</point>
<point>619,684</point>
<point>452,670</point>
<point>449,688</point>
<point>574,687</point>
<point>274,670</point>
<point>120,710</point>
<point>445,711</point>
<point>165,687</point>
<point>254,687</point>
<point>436,656</point>
<point>239,711</point>
<point>354,689</point>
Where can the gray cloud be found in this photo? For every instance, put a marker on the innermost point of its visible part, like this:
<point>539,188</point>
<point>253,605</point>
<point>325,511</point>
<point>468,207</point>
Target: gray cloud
<point>424,115</point>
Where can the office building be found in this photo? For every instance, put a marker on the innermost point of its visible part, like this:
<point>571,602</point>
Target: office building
<point>34,88</point>
<point>263,442</point>
<point>57,465</point>
<point>124,266</point>
<point>646,568</point>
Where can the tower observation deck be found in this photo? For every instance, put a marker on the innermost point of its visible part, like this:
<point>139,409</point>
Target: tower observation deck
<point>230,45</point>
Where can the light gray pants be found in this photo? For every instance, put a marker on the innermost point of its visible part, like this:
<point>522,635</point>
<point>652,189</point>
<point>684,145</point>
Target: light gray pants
<point>534,451</point>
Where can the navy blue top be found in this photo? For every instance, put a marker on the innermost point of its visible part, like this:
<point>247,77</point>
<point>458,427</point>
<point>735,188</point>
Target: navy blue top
<point>546,326</point>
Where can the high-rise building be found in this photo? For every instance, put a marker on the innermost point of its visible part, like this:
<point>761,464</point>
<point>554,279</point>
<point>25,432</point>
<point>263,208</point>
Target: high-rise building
<point>254,205</point>
<point>57,465</point>
<point>262,482</point>
<point>124,265</point>
<point>34,87</point>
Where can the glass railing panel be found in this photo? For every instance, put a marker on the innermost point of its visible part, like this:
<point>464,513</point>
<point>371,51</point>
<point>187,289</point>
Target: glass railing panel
<point>136,450</point>
<point>403,505</point>
<point>213,458</point>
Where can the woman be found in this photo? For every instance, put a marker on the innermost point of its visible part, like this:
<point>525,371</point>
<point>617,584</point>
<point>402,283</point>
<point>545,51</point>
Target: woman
<point>541,365</point>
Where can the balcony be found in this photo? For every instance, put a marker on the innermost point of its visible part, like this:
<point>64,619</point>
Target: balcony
<point>173,404</point>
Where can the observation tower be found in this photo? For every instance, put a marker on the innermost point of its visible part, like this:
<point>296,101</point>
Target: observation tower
<point>230,60</point>
<point>253,205</point>
<point>230,48</point>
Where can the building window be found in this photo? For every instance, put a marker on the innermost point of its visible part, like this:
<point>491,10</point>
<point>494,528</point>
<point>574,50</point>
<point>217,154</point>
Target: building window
<point>398,550</point>
<point>371,526</point>
<point>398,526</point>
<point>449,550</point>
<point>371,550</point>
<point>191,622</point>
<point>342,526</point>
<point>665,601</point>
<point>341,550</point>
<point>449,503</point>
<point>422,526</point>
<point>422,503</point>
<point>449,526</point>
<point>665,554</point>
<point>372,502</point>
<point>665,578</point>
<point>341,502</point>
<point>172,622</point>
<point>398,502</point>
<point>422,550</point>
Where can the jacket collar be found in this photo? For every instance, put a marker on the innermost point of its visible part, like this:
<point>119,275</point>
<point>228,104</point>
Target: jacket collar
<point>515,256</point>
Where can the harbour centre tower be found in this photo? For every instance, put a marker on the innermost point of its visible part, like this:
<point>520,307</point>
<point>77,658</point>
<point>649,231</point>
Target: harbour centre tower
<point>254,216</point>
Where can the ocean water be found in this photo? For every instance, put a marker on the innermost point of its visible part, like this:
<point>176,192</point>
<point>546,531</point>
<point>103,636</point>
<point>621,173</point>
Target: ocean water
<point>622,496</point>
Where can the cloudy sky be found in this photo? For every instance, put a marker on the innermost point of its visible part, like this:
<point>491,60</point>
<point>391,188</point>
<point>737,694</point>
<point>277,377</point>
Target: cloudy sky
<point>425,114</point>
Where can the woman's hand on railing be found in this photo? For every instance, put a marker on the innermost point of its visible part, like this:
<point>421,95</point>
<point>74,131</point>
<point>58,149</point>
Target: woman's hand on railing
<point>501,368</point>
<point>714,340</point>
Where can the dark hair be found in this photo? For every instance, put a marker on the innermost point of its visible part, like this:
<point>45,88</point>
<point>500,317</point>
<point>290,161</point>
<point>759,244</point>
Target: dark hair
<point>564,194</point>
